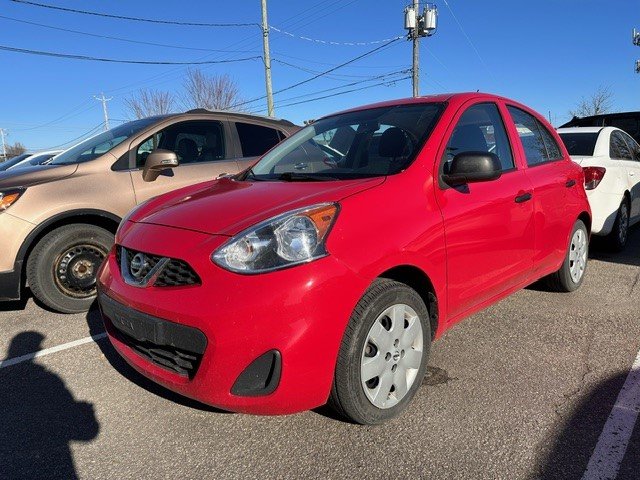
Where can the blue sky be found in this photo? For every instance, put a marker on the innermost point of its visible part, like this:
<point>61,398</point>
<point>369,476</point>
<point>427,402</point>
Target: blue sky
<point>546,54</point>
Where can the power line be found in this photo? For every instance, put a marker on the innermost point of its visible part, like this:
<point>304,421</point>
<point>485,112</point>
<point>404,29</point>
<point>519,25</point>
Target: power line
<point>309,70</point>
<point>135,19</point>
<point>366,54</point>
<point>386,75</point>
<point>468,38</point>
<point>121,39</point>
<point>329,42</point>
<point>114,60</point>
<point>386,83</point>
<point>85,134</point>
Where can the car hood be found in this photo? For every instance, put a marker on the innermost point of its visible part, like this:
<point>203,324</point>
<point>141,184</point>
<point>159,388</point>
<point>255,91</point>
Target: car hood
<point>226,206</point>
<point>35,175</point>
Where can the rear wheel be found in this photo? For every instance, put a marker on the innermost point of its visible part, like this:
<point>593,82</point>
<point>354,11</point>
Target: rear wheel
<point>571,273</point>
<point>383,356</point>
<point>62,268</point>
<point>617,239</point>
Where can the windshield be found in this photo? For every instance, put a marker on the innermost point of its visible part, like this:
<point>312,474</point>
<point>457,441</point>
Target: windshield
<point>13,161</point>
<point>580,144</point>
<point>103,142</point>
<point>366,143</point>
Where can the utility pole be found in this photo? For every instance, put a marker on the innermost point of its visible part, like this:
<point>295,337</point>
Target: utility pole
<point>267,58</point>
<point>636,41</point>
<point>415,71</point>
<point>419,26</point>
<point>104,101</point>
<point>3,132</point>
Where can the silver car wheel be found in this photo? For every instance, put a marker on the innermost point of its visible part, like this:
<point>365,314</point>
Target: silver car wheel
<point>391,356</point>
<point>578,255</point>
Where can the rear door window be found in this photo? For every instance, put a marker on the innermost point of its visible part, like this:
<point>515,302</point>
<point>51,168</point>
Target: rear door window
<point>618,148</point>
<point>255,140</point>
<point>538,143</point>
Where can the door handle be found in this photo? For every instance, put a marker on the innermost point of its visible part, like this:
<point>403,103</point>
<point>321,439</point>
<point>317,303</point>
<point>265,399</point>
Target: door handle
<point>631,174</point>
<point>570,183</point>
<point>525,197</point>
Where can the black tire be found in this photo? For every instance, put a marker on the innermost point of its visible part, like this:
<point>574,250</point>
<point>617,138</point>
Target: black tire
<point>348,398</point>
<point>62,267</point>
<point>562,281</point>
<point>617,239</point>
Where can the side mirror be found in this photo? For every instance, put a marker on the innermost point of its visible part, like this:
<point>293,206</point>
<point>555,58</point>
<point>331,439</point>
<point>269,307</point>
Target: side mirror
<point>156,162</point>
<point>471,167</point>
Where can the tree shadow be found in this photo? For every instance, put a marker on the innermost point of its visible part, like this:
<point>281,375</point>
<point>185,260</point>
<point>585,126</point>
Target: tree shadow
<point>96,327</point>
<point>569,451</point>
<point>40,417</point>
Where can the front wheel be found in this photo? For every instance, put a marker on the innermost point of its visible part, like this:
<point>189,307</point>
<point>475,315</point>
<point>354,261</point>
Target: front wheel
<point>383,356</point>
<point>571,274</point>
<point>62,268</point>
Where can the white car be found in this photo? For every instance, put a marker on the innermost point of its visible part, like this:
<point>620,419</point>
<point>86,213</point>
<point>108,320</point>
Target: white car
<point>610,159</point>
<point>40,158</point>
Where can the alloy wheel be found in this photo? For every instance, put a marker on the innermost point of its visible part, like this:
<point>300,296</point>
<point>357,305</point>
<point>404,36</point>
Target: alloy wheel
<point>578,255</point>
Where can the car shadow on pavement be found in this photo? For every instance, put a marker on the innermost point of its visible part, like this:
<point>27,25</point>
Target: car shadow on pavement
<point>40,417</point>
<point>629,256</point>
<point>566,454</point>
<point>96,327</point>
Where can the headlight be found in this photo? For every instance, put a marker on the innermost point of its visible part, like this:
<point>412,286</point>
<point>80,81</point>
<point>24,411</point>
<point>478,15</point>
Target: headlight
<point>289,239</point>
<point>9,197</point>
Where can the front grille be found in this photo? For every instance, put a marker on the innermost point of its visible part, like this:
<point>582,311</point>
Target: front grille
<point>174,273</point>
<point>177,273</point>
<point>172,346</point>
<point>178,361</point>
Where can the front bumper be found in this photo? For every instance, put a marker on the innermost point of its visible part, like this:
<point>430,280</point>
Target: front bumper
<point>300,312</point>
<point>11,283</point>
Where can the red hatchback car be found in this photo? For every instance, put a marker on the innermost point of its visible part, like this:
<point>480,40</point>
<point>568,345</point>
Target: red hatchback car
<point>324,272</point>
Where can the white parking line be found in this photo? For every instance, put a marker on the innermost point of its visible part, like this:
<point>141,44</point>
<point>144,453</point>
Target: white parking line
<point>609,452</point>
<point>47,351</point>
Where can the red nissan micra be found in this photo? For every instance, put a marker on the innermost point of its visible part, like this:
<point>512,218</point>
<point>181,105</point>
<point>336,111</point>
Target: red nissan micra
<point>323,273</point>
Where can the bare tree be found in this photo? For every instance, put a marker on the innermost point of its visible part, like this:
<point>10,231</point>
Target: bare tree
<point>15,149</point>
<point>147,103</point>
<point>213,92</point>
<point>600,102</point>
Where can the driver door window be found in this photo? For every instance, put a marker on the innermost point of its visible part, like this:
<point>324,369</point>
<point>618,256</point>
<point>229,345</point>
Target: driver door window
<point>193,142</point>
<point>480,129</point>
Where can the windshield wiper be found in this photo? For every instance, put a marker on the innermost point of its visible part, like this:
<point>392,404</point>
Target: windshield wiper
<point>304,177</point>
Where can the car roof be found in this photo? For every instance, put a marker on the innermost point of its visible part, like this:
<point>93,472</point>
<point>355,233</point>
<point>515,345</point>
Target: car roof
<point>580,129</point>
<point>437,98</point>
<point>248,116</point>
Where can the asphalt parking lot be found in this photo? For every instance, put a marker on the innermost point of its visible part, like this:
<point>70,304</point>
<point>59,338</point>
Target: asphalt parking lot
<point>521,390</point>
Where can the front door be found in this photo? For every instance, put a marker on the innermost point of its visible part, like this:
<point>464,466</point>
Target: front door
<point>201,149</point>
<point>489,230</point>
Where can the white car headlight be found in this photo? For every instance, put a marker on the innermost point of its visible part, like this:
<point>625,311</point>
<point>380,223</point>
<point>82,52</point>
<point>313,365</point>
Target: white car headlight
<point>289,239</point>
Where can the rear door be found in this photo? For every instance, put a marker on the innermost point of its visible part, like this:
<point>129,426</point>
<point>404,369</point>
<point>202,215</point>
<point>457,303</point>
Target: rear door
<point>632,167</point>
<point>489,225</point>
<point>202,149</point>
<point>253,141</point>
<point>551,178</point>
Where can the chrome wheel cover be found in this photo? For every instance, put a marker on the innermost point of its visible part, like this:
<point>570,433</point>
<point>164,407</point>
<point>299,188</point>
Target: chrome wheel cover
<point>391,356</point>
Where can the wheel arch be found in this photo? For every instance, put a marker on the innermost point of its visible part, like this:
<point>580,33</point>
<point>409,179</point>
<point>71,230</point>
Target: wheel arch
<point>586,219</point>
<point>417,279</point>
<point>99,218</point>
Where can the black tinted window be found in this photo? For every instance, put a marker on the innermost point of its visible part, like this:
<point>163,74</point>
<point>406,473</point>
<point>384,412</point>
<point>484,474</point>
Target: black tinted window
<point>618,148</point>
<point>255,140</point>
<point>480,129</point>
<point>580,144</point>
<point>531,136</point>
